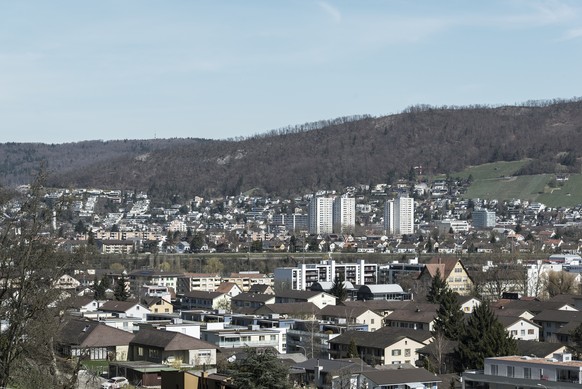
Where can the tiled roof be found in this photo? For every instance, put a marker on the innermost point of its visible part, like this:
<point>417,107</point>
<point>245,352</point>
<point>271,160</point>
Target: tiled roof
<point>169,341</point>
<point>90,333</point>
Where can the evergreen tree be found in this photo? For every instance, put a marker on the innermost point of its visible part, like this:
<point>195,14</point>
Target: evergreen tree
<point>576,341</point>
<point>121,293</point>
<point>338,289</point>
<point>260,370</point>
<point>450,317</point>
<point>98,290</point>
<point>352,349</point>
<point>437,288</point>
<point>484,336</point>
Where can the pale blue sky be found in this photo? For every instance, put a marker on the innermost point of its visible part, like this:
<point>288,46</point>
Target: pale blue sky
<point>75,70</point>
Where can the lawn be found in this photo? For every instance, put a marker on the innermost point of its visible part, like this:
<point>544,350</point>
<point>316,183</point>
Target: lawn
<point>532,188</point>
<point>492,170</point>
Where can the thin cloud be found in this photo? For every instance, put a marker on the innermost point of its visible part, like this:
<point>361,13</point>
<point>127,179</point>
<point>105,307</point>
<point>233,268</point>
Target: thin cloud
<point>574,33</point>
<point>331,11</point>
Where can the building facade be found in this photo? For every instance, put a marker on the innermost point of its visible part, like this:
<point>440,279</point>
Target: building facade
<point>321,215</point>
<point>483,218</point>
<point>399,216</point>
<point>305,275</point>
<point>344,215</point>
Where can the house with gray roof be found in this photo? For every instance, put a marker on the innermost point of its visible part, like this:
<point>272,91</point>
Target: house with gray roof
<point>88,338</point>
<point>160,346</point>
<point>383,347</point>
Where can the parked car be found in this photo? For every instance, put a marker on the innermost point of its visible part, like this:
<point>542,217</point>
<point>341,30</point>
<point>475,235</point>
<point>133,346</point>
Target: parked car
<point>115,383</point>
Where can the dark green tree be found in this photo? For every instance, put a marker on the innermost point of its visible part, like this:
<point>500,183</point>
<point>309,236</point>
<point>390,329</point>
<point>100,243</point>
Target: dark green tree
<point>197,241</point>
<point>449,317</point>
<point>576,341</point>
<point>484,336</point>
<point>260,370</point>
<point>80,227</point>
<point>352,349</point>
<point>338,289</point>
<point>437,288</point>
<point>120,292</point>
<point>98,290</point>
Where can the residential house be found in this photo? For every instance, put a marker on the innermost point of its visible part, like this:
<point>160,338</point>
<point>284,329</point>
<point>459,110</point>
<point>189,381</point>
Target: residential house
<point>321,299</point>
<point>520,328</point>
<point>122,309</point>
<point>92,340</point>
<point>322,373</point>
<point>198,299</point>
<point>159,346</point>
<point>248,303</point>
<point>406,378</point>
<point>383,347</point>
<point>229,288</point>
<point>305,311</point>
<point>157,305</point>
<point>239,337</point>
<point>416,317</point>
<point>262,288</point>
<point>344,315</point>
<point>452,271</point>
<point>138,278</point>
<point>552,323</point>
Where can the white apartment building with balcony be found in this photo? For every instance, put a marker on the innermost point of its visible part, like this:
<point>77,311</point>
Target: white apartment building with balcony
<point>304,275</point>
<point>526,372</point>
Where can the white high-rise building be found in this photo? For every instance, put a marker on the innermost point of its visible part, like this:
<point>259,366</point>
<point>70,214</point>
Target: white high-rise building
<point>399,216</point>
<point>344,214</point>
<point>321,215</point>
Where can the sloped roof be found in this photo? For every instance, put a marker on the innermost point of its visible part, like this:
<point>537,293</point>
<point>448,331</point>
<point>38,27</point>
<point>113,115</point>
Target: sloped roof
<point>169,341</point>
<point>506,321</point>
<point>90,333</point>
<point>380,339</point>
<point>118,306</point>
<point>342,311</point>
<point>558,316</point>
<point>258,297</point>
<point>400,376</point>
<point>297,294</point>
<point>537,349</point>
<point>226,287</point>
<point>202,294</point>
<point>289,309</point>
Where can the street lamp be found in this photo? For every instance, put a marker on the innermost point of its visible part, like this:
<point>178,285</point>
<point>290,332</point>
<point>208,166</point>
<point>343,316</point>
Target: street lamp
<point>305,351</point>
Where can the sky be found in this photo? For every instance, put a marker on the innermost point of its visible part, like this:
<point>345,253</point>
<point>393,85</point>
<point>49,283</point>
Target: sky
<point>75,70</point>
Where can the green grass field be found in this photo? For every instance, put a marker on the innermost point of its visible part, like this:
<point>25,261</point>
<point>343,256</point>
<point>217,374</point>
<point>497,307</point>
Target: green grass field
<point>495,181</point>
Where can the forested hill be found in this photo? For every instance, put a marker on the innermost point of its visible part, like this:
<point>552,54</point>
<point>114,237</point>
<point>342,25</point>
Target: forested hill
<point>334,154</point>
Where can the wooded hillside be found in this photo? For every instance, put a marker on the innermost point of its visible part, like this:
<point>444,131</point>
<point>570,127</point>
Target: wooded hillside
<point>325,155</point>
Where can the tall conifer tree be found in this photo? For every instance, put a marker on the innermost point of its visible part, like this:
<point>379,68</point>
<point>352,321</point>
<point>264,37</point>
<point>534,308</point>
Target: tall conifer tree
<point>484,336</point>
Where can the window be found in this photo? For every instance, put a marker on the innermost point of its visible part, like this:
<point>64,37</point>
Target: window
<point>522,332</point>
<point>527,373</point>
<point>140,351</point>
<point>396,352</point>
<point>407,352</point>
<point>458,270</point>
<point>530,332</point>
<point>273,337</point>
<point>510,371</point>
<point>371,321</point>
<point>494,370</point>
<point>262,338</point>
